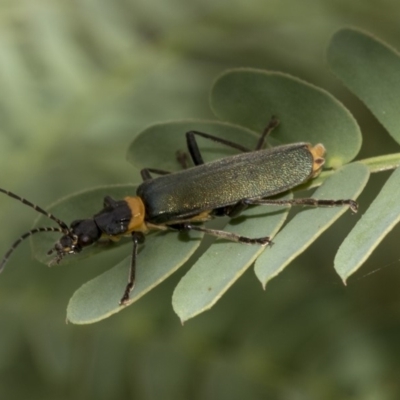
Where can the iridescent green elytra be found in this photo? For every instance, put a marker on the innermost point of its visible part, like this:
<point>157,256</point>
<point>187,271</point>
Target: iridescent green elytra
<point>225,182</point>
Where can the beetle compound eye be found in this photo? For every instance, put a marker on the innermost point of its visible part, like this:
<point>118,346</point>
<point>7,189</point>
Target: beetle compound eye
<point>85,240</point>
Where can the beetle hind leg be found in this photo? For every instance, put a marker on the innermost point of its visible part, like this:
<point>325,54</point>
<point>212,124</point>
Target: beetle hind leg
<point>301,201</point>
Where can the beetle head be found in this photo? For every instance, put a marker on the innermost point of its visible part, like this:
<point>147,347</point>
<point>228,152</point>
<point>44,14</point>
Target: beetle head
<point>82,233</point>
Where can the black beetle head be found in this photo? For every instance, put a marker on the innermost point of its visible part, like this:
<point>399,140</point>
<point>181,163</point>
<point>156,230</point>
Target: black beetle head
<point>82,233</point>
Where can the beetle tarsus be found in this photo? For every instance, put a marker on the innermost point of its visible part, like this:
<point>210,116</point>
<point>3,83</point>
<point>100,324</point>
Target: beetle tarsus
<point>264,241</point>
<point>353,206</point>
<point>125,298</point>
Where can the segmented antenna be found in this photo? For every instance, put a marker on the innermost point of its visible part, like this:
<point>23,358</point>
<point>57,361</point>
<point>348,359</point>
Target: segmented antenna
<point>62,224</point>
<point>63,227</point>
<point>23,237</point>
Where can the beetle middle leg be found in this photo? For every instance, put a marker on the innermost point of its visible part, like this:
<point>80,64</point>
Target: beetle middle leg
<point>194,150</point>
<point>263,241</point>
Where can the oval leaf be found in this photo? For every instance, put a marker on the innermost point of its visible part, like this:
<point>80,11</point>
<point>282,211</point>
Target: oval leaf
<point>159,257</point>
<point>249,97</point>
<point>305,227</point>
<point>370,69</point>
<point>224,262</point>
<point>375,224</point>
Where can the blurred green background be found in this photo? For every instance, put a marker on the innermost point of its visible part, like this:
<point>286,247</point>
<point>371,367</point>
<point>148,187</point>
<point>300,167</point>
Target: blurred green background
<point>78,80</point>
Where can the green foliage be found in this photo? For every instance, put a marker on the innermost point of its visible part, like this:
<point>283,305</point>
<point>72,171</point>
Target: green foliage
<point>371,70</point>
<point>346,183</point>
<point>375,224</point>
<point>79,79</point>
<point>204,284</point>
<point>244,98</point>
<point>99,298</point>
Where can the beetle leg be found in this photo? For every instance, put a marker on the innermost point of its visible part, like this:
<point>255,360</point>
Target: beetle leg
<point>273,123</point>
<point>231,211</point>
<point>222,234</point>
<point>137,237</point>
<point>183,159</point>
<point>305,202</point>
<point>109,202</point>
<point>194,150</point>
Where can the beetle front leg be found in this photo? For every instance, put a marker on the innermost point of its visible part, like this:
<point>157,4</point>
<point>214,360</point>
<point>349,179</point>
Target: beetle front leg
<point>137,237</point>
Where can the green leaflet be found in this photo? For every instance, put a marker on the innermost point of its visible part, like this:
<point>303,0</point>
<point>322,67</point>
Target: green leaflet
<point>305,227</point>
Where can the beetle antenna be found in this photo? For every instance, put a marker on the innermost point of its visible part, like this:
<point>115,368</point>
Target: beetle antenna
<point>62,224</point>
<point>22,238</point>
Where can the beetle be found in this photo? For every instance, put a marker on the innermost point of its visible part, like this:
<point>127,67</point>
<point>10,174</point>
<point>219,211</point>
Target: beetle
<point>184,200</point>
